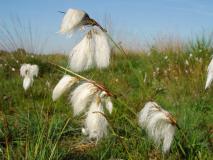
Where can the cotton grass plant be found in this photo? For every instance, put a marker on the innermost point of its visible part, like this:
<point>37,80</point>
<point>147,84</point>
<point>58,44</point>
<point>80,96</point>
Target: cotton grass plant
<point>44,133</point>
<point>95,44</point>
<point>75,19</point>
<point>186,96</point>
<point>93,50</point>
<point>93,99</point>
<point>81,96</point>
<point>95,123</point>
<point>89,97</point>
<point>81,56</point>
<point>159,124</point>
<point>28,72</point>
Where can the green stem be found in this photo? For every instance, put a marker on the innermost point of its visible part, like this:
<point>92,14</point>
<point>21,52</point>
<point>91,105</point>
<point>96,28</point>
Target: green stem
<point>120,48</point>
<point>101,87</point>
<point>123,51</point>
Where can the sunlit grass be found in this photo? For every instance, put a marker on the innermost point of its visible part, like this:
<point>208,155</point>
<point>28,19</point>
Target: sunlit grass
<point>34,127</point>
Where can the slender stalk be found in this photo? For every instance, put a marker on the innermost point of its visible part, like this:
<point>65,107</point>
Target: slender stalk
<point>70,71</point>
<point>104,30</point>
<point>120,48</point>
<point>100,86</point>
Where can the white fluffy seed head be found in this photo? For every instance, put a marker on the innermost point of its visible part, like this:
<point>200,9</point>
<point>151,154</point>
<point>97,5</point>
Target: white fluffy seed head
<point>29,70</point>
<point>156,121</point>
<point>72,20</point>
<point>27,82</point>
<point>156,125</point>
<point>82,96</point>
<point>82,55</point>
<point>25,68</point>
<point>63,86</point>
<point>106,100</point>
<point>209,75</point>
<point>93,49</point>
<point>169,132</point>
<point>34,70</point>
<point>102,48</point>
<point>145,113</point>
<point>95,123</point>
<point>108,104</point>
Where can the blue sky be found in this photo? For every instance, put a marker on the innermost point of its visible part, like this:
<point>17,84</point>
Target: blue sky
<point>130,18</point>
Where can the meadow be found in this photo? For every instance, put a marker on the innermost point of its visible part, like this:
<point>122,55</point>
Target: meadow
<point>32,126</point>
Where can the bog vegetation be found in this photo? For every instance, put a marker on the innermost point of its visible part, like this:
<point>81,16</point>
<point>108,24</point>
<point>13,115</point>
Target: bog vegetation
<point>32,126</point>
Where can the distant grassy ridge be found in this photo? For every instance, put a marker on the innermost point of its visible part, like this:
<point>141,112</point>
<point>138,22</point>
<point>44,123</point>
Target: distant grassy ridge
<point>34,127</point>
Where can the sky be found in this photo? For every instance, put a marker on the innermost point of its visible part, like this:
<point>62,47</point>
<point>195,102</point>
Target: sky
<point>130,19</point>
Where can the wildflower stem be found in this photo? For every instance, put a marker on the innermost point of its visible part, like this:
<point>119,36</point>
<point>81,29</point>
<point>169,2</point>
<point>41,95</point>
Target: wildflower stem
<point>120,48</point>
<point>104,30</point>
<point>100,86</point>
<point>123,51</point>
<point>98,25</point>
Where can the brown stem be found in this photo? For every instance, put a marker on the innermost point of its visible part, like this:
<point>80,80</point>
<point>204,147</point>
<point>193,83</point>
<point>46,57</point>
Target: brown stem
<point>171,118</point>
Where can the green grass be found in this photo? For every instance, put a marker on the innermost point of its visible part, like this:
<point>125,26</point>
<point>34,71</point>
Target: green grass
<point>34,127</point>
